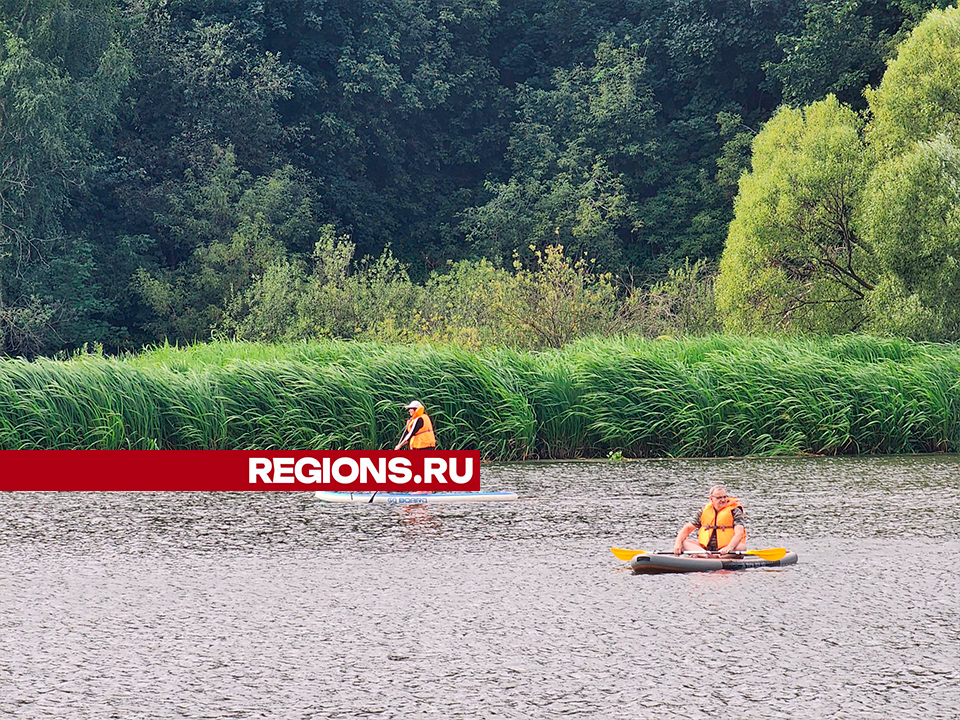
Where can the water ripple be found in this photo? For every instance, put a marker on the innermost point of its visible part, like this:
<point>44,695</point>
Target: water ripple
<point>269,605</point>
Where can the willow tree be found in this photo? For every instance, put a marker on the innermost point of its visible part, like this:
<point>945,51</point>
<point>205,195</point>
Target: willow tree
<point>794,259</point>
<point>919,96</point>
<point>913,211</point>
<point>912,207</point>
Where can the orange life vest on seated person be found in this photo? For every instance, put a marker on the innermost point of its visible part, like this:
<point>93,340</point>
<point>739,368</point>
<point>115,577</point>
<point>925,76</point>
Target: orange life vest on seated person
<point>722,522</point>
<point>424,437</point>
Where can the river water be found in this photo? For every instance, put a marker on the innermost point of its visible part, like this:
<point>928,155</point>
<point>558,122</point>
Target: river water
<point>271,605</point>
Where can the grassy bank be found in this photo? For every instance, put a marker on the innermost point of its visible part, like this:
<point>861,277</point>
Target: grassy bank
<point>697,397</point>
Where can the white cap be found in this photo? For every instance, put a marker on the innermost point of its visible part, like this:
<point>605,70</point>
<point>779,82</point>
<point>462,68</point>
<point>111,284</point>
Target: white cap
<point>413,405</point>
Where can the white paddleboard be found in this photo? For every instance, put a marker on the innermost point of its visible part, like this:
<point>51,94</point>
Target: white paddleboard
<point>390,498</point>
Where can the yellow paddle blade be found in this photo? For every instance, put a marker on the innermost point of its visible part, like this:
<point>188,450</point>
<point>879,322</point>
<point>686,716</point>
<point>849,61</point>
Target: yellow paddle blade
<point>627,555</point>
<point>770,554</point>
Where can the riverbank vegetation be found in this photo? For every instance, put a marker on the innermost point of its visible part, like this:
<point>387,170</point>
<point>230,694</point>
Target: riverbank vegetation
<point>407,170</point>
<point>538,218</point>
<point>713,396</point>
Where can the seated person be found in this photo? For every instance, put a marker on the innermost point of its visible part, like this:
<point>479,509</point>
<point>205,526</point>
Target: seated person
<point>719,526</point>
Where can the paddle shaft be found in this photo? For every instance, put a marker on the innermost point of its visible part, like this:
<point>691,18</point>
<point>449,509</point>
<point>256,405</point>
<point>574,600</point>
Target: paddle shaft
<point>767,554</point>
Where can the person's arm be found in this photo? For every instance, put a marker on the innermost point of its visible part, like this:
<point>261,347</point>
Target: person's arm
<point>738,532</point>
<point>414,429</point>
<point>685,531</point>
<point>681,536</point>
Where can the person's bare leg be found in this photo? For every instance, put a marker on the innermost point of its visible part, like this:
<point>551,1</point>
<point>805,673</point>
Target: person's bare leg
<point>691,545</point>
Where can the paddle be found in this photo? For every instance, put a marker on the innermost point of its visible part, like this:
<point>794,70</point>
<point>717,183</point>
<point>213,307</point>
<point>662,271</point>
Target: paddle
<point>769,554</point>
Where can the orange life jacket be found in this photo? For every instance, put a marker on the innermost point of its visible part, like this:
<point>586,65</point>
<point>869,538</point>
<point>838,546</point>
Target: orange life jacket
<point>424,437</point>
<point>722,522</point>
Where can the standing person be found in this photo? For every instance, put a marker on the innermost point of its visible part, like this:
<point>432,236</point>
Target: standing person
<point>719,526</point>
<point>419,430</point>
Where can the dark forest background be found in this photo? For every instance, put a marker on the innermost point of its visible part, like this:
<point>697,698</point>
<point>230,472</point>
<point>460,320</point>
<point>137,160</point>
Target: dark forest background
<point>158,158</point>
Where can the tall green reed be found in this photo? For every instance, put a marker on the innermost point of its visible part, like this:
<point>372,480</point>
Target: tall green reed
<point>712,396</point>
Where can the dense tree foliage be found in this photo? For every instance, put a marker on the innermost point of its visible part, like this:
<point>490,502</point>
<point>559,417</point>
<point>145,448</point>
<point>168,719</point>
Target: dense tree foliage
<point>919,96</point>
<point>62,70</point>
<point>913,210</point>
<point>841,47</point>
<point>850,221</point>
<point>794,258</point>
<point>575,151</point>
<point>913,204</point>
<point>166,164</point>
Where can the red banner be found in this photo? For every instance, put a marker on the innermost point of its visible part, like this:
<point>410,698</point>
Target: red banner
<point>150,470</point>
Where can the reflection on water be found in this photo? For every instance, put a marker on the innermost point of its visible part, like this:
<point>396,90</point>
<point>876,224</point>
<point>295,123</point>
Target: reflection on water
<point>270,605</point>
<point>418,517</point>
